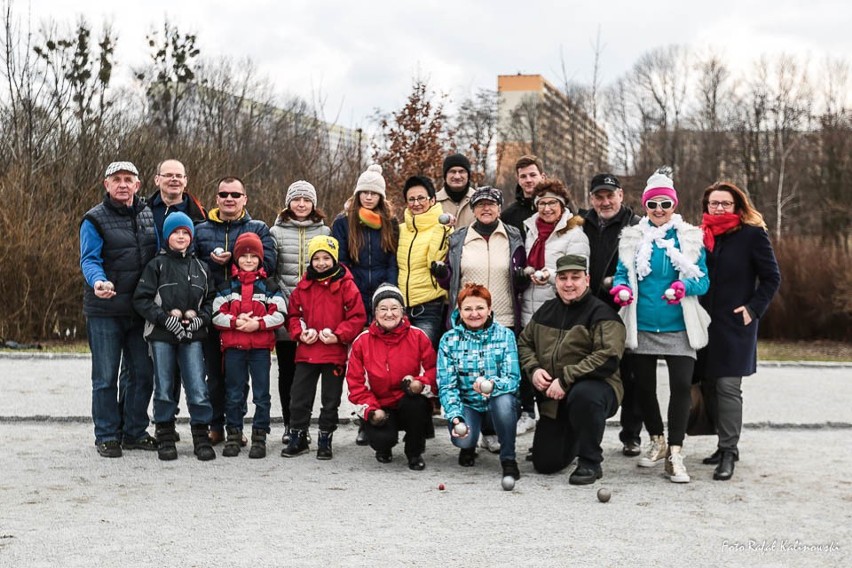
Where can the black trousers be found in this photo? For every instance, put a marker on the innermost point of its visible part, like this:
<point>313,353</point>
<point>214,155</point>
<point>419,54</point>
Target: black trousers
<point>577,429</point>
<point>631,413</point>
<point>680,384</point>
<point>412,415</point>
<point>286,353</point>
<point>215,377</point>
<point>304,392</point>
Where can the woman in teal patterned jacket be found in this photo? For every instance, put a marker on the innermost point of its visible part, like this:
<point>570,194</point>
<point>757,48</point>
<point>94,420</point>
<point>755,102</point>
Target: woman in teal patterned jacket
<point>478,372</point>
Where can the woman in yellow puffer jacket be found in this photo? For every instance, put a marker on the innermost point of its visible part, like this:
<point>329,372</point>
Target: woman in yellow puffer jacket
<point>423,244</point>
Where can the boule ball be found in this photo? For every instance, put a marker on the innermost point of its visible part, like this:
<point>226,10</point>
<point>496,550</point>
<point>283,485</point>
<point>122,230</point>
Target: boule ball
<point>670,294</point>
<point>508,483</point>
<point>604,494</point>
<point>539,275</point>
<point>109,286</point>
<point>189,314</point>
<point>176,313</point>
<point>623,295</point>
<point>445,218</point>
<point>460,429</point>
<point>415,386</point>
<point>326,332</point>
<point>218,251</point>
<point>486,386</point>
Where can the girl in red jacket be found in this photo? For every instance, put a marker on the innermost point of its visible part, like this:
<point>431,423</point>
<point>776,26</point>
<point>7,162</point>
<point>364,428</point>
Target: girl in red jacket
<point>326,314</point>
<point>391,374</point>
<point>247,310</point>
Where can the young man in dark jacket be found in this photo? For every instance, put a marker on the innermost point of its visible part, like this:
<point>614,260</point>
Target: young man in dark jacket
<point>570,351</point>
<point>603,225</point>
<point>530,173</point>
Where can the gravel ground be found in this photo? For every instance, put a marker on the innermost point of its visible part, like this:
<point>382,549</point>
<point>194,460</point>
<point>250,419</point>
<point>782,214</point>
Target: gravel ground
<point>62,505</point>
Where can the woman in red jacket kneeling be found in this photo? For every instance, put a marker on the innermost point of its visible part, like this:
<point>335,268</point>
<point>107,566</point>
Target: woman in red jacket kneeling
<point>391,376</point>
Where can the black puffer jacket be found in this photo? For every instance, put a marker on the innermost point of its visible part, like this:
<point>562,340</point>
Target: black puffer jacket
<point>522,209</point>
<point>174,280</point>
<point>603,243</point>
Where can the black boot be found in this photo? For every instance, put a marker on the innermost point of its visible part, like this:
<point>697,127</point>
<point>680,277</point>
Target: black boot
<point>201,442</point>
<point>361,437</point>
<point>298,444</point>
<point>232,443</point>
<point>165,432</point>
<point>258,444</point>
<point>324,445</point>
<point>725,469</point>
<point>467,457</point>
<point>510,469</point>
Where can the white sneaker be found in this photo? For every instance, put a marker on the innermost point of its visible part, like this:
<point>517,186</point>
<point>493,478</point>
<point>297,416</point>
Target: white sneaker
<point>490,443</point>
<point>525,423</point>
<point>656,452</point>
<point>675,468</point>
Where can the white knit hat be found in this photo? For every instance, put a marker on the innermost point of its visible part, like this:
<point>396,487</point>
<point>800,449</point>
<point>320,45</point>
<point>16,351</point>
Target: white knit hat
<point>660,184</point>
<point>371,180</point>
<point>300,188</point>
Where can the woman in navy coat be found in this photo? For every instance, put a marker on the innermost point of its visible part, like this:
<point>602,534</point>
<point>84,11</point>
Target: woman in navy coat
<point>744,277</point>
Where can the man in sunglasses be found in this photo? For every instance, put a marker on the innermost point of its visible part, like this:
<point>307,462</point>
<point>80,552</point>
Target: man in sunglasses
<point>214,241</point>
<point>171,195</point>
<point>603,224</point>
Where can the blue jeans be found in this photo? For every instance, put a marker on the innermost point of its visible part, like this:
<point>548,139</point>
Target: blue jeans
<point>238,363</point>
<point>430,318</point>
<point>504,414</point>
<point>110,338</point>
<point>189,357</point>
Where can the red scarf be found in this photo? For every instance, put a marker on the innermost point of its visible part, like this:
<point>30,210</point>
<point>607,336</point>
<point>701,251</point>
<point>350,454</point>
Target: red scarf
<point>715,225</point>
<point>536,256</point>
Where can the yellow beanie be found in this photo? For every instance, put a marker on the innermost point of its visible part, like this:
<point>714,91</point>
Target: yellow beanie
<point>328,244</point>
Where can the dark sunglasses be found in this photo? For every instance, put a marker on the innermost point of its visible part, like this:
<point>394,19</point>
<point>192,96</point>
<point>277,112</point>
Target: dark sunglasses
<point>664,205</point>
<point>231,194</point>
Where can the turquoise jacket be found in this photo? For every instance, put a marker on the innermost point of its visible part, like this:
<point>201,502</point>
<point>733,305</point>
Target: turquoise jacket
<point>464,355</point>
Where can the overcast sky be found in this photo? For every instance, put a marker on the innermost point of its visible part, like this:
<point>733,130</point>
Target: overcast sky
<point>362,55</point>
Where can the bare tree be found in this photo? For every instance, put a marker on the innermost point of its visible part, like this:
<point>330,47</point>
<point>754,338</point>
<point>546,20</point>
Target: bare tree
<point>475,128</point>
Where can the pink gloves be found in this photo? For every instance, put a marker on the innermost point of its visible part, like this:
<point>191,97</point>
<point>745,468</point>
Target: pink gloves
<point>675,292</point>
<point>622,295</point>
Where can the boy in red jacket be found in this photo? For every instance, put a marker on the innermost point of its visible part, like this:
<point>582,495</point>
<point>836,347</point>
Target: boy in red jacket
<point>247,310</point>
<point>326,314</point>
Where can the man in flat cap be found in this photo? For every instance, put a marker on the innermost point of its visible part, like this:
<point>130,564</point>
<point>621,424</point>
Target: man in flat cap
<point>117,239</point>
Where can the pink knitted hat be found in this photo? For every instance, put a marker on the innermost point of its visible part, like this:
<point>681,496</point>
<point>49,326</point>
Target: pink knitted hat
<point>659,184</point>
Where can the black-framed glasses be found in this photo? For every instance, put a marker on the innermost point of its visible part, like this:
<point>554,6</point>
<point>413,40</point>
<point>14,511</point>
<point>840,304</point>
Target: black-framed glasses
<point>664,205</point>
<point>231,194</point>
<point>419,199</point>
<point>172,176</point>
<point>722,204</point>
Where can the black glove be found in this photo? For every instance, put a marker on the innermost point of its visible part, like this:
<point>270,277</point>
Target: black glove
<point>195,324</point>
<point>173,325</point>
<point>439,269</point>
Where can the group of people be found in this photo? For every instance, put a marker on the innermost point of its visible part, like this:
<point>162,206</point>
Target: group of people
<point>486,313</point>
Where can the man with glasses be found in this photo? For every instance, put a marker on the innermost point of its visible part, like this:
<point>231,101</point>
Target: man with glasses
<point>603,224</point>
<point>214,240</point>
<point>116,242</point>
<point>454,197</point>
<point>171,195</point>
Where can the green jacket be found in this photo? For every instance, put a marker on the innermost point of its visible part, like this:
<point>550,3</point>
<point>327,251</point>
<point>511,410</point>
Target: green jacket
<point>580,341</point>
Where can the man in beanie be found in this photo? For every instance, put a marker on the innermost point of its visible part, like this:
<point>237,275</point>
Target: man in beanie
<point>246,312</point>
<point>454,197</point>
<point>529,171</point>
<point>172,195</point>
<point>175,296</point>
<point>603,224</point>
<point>214,240</point>
<point>117,239</point>
<point>570,352</point>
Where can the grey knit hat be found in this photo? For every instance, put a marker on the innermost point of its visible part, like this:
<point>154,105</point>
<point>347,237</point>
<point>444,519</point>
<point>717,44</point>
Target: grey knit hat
<point>371,180</point>
<point>385,291</point>
<point>300,188</point>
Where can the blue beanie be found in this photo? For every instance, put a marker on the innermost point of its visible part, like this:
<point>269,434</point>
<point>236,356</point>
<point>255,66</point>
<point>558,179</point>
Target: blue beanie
<point>177,220</point>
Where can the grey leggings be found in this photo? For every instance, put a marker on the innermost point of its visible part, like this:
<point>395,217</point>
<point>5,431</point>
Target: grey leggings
<point>680,383</point>
<point>725,403</point>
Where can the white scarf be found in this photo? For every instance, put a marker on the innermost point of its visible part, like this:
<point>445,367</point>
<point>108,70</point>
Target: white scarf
<point>656,235</point>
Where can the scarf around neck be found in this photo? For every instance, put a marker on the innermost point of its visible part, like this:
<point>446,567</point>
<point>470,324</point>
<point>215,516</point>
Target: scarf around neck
<point>536,256</point>
<point>653,235</point>
<point>369,218</point>
<point>312,274</point>
<point>715,225</point>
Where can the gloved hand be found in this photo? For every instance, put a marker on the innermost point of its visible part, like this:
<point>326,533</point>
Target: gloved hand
<point>195,324</point>
<point>173,325</point>
<point>618,297</point>
<point>439,269</point>
<point>679,293</point>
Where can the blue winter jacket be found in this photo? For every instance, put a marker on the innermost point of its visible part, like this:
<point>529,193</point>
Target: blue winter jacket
<point>217,233</point>
<point>464,355</point>
<point>374,265</point>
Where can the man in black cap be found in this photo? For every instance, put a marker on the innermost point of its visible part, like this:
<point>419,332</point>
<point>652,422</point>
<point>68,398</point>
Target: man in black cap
<point>117,239</point>
<point>454,197</point>
<point>570,351</point>
<point>603,224</point>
